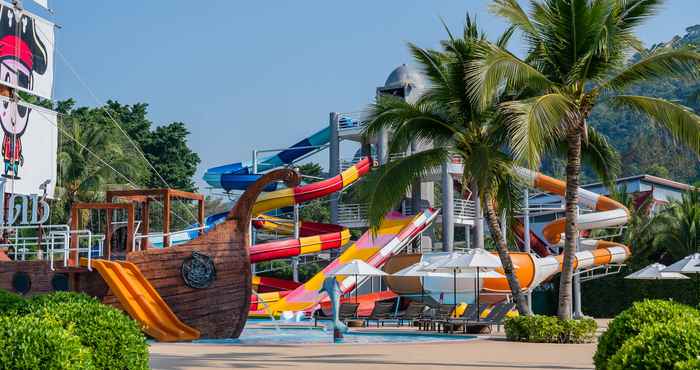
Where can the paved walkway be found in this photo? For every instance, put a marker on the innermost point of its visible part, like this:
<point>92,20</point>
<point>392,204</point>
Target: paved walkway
<point>490,354</point>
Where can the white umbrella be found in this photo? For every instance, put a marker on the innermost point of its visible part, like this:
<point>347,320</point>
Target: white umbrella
<point>688,265</point>
<point>358,268</point>
<point>474,260</point>
<point>655,271</point>
<point>419,269</point>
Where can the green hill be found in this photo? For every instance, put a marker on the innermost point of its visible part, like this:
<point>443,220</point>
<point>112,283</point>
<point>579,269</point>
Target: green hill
<point>645,149</point>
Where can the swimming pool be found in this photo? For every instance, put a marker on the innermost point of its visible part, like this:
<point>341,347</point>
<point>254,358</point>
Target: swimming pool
<point>272,336</point>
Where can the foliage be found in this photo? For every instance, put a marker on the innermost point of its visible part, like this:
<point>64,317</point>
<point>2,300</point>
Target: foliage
<point>678,226</point>
<point>549,329</point>
<point>445,117</point>
<point>659,346</point>
<point>577,53</point>
<point>30,343</point>
<point>115,339</point>
<point>632,321</point>
<point>692,364</point>
<point>94,154</point>
<point>602,298</point>
<point>11,303</point>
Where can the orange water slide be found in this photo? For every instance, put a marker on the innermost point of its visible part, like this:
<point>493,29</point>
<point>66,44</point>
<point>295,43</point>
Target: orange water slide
<point>142,301</point>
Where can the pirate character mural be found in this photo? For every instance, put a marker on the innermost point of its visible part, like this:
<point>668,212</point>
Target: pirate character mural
<point>22,54</point>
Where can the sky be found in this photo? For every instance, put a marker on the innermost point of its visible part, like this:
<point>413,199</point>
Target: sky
<point>246,75</point>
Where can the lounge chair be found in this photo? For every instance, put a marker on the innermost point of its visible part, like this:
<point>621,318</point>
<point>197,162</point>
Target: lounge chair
<point>347,311</point>
<point>495,317</point>
<point>440,314</point>
<point>413,312</point>
<point>381,312</point>
<point>470,314</point>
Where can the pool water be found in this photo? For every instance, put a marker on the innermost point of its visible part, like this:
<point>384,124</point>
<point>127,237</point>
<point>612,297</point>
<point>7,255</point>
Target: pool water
<point>272,336</point>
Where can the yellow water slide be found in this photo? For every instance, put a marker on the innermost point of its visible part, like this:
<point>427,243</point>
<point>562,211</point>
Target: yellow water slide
<point>142,301</point>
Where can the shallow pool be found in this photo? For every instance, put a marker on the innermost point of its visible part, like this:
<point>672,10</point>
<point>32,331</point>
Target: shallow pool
<point>272,336</point>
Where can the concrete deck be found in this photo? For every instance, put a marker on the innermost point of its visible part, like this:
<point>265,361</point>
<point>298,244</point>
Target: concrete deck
<point>490,352</point>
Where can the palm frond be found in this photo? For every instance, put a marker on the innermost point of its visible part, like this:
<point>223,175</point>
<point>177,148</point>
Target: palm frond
<point>384,187</point>
<point>514,14</point>
<point>494,69</point>
<point>680,121</point>
<point>662,63</point>
<point>535,124</point>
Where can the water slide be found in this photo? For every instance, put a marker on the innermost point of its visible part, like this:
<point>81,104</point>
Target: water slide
<point>392,235</point>
<point>532,270</point>
<point>538,245</point>
<point>142,301</point>
<point>238,176</point>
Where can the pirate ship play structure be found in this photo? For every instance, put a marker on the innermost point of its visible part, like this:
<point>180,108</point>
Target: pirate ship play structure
<point>196,282</point>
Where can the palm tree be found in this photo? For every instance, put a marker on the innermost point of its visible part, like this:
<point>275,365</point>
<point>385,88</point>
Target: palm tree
<point>445,117</point>
<point>90,158</point>
<point>678,224</point>
<point>577,51</point>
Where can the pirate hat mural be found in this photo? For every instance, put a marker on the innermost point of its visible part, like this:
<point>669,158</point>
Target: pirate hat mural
<point>26,43</point>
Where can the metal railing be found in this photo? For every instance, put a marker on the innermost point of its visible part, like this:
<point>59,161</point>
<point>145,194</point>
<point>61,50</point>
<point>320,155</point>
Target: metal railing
<point>464,209</point>
<point>352,213</point>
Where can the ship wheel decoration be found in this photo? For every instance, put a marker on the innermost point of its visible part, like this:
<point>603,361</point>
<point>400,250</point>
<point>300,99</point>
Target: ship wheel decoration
<point>198,271</point>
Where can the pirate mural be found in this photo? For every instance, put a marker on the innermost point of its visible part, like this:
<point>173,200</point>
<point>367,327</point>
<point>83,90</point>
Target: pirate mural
<point>22,54</point>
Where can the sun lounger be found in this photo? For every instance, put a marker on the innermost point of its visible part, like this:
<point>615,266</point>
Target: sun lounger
<point>413,312</point>
<point>347,311</point>
<point>439,315</point>
<point>470,314</point>
<point>381,312</point>
<point>495,317</point>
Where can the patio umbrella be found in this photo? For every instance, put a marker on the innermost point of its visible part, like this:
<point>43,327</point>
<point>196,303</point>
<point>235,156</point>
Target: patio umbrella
<point>358,268</point>
<point>475,260</point>
<point>688,265</point>
<point>418,270</point>
<point>655,271</point>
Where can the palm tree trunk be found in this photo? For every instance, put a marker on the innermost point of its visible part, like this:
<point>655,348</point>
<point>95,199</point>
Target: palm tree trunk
<point>502,248</point>
<point>573,172</point>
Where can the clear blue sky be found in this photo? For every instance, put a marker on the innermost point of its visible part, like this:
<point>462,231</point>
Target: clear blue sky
<point>253,74</point>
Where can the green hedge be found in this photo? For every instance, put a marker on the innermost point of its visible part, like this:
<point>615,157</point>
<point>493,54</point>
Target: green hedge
<point>11,303</point>
<point>549,329</point>
<point>693,364</point>
<point>111,339</point>
<point>659,346</point>
<point>631,322</point>
<point>115,339</point>
<point>30,343</point>
<point>602,298</point>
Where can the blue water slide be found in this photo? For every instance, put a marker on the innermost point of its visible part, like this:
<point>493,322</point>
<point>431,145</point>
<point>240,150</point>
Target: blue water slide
<point>238,176</point>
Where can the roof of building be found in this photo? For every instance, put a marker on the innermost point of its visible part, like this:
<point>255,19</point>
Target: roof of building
<point>650,179</point>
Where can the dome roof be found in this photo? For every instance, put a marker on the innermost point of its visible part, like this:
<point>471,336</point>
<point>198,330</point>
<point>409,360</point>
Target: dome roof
<point>403,76</point>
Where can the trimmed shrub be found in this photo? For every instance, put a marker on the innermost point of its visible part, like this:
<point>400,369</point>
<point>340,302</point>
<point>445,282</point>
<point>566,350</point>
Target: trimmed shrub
<point>115,339</point>
<point>659,346</point>
<point>631,321</point>
<point>11,303</point>
<point>55,298</point>
<point>549,329</point>
<point>693,364</point>
<point>31,343</point>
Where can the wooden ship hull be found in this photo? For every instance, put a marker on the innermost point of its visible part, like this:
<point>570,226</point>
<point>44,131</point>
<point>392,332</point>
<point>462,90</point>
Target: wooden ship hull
<point>219,309</point>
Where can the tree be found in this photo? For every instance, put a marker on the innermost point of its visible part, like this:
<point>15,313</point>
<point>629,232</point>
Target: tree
<point>165,147</point>
<point>678,231</point>
<point>89,160</point>
<point>445,117</point>
<point>576,55</point>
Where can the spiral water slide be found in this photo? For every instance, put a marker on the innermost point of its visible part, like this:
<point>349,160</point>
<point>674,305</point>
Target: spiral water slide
<point>238,176</point>
<point>606,212</point>
<point>392,235</point>
<point>532,270</point>
<point>314,237</point>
